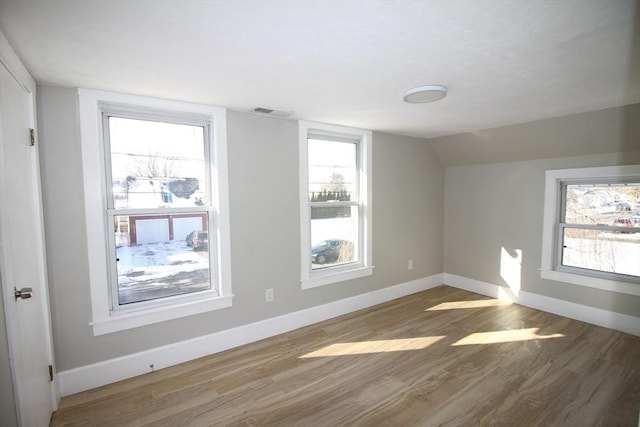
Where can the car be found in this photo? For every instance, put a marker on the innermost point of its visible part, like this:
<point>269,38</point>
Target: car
<point>198,240</point>
<point>623,222</point>
<point>331,250</point>
<point>622,206</point>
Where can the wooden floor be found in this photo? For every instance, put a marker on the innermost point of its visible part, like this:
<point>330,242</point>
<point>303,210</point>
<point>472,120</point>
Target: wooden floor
<point>440,357</point>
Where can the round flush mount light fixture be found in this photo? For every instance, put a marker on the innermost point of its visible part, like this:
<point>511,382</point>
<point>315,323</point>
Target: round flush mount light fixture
<point>422,94</point>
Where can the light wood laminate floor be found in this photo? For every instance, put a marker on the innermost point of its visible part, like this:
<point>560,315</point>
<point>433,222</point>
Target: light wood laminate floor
<point>439,357</point>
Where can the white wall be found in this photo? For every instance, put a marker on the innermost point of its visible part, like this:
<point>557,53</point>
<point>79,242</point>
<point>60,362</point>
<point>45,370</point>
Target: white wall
<point>7,401</point>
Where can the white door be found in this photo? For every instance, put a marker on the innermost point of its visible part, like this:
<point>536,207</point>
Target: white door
<point>22,262</point>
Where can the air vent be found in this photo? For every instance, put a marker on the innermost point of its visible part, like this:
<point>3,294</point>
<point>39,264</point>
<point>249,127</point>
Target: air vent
<point>280,114</point>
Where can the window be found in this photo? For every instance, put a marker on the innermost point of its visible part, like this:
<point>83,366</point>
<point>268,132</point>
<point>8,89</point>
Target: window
<point>592,228</point>
<point>156,207</point>
<point>335,210</point>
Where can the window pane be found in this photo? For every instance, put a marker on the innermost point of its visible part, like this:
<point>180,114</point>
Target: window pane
<point>609,204</point>
<point>332,171</point>
<point>156,164</point>
<point>613,252</point>
<point>157,257</point>
<point>334,236</point>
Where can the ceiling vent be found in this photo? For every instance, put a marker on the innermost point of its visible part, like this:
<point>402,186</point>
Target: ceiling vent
<point>279,114</point>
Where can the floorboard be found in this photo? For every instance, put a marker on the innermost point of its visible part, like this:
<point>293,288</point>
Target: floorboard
<point>439,357</point>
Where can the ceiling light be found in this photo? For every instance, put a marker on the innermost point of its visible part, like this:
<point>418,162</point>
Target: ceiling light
<point>422,94</point>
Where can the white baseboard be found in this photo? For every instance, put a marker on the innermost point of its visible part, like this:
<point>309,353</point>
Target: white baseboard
<point>97,374</point>
<point>595,316</point>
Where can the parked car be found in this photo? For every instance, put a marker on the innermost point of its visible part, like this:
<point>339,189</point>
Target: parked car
<point>623,222</point>
<point>331,251</point>
<point>622,206</point>
<point>198,240</point>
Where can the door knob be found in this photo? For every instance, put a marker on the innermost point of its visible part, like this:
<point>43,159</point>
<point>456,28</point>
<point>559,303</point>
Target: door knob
<point>24,293</point>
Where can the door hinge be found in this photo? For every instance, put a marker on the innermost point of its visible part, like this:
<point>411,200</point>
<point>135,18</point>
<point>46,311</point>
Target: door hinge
<point>50,373</point>
<point>32,137</point>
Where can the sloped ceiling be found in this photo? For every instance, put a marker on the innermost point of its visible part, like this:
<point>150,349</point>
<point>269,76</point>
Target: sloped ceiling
<point>343,62</point>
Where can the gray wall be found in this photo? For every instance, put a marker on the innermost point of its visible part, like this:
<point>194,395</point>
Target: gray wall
<point>500,205</point>
<point>614,130</point>
<point>487,205</point>
<point>408,196</point>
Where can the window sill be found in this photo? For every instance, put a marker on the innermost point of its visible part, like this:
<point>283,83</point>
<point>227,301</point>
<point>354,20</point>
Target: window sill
<point>592,282</point>
<point>334,276</point>
<point>133,319</point>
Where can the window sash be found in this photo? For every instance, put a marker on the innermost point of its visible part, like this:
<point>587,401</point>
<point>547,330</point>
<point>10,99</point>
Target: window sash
<point>355,249</point>
<point>336,203</point>
<point>603,274</point>
<point>114,288</point>
<point>356,196</point>
<point>130,112</point>
<point>356,140</point>
<point>562,225</point>
<point>360,181</point>
<point>111,211</point>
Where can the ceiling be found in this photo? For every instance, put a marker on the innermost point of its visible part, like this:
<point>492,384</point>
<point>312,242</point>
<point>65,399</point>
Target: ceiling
<point>343,62</point>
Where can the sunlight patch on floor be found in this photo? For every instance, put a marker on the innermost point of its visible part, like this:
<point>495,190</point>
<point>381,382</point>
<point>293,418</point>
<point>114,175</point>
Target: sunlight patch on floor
<point>453,305</point>
<point>371,347</point>
<point>512,335</point>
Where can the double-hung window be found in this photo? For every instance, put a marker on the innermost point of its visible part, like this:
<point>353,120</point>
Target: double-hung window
<point>335,203</point>
<point>156,206</point>
<point>592,228</point>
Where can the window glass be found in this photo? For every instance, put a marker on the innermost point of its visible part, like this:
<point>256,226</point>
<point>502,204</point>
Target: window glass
<point>156,164</point>
<point>607,251</point>
<point>152,263</point>
<point>334,236</point>
<point>159,177</point>
<point>599,228</point>
<point>333,171</point>
<point>609,204</point>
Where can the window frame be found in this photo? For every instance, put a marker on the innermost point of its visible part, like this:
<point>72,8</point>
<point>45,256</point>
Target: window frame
<point>106,317</point>
<point>311,278</point>
<point>552,237</point>
<point>109,111</point>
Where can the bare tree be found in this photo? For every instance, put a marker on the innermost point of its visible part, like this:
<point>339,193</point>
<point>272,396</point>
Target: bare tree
<point>336,183</point>
<point>152,165</point>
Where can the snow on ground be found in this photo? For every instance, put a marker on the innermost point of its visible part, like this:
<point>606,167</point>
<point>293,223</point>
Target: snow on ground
<point>156,270</point>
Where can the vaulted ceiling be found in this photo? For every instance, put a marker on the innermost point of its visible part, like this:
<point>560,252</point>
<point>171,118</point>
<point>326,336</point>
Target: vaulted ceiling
<point>343,62</point>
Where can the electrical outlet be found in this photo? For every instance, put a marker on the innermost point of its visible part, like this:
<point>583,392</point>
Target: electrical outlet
<point>410,265</point>
<point>268,295</point>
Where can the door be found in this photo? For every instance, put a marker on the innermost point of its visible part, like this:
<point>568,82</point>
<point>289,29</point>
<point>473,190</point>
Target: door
<point>152,231</point>
<point>22,261</point>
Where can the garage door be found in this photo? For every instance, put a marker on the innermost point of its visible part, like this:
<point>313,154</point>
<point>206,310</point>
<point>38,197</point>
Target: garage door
<point>152,230</point>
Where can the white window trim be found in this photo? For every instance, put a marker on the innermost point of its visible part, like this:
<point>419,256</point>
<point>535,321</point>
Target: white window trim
<point>104,319</point>
<point>551,208</point>
<point>314,278</point>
